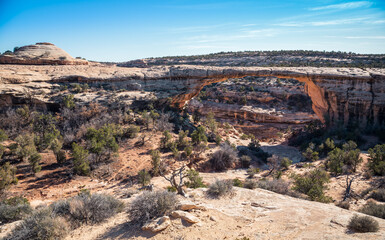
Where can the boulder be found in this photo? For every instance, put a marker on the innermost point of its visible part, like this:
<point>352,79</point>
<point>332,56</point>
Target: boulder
<point>188,217</point>
<point>157,225</point>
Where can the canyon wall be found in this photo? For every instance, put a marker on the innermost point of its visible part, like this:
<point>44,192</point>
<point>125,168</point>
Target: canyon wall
<point>338,94</point>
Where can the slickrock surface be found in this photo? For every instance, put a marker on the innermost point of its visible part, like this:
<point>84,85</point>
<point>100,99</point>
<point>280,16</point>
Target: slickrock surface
<point>40,54</point>
<point>256,214</point>
<point>338,94</point>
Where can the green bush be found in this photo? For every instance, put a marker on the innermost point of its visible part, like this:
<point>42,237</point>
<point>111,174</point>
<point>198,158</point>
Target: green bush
<point>237,182</point>
<point>34,161</point>
<point>3,135</point>
<point>363,224</point>
<point>131,131</point>
<point>41,225</point>
<point>68,101</point>
<point>25,146</point>
<point>377,160</point>
<point>13,209</point>
<point>194,180</point>
<point>371,208</point>
<point>151,205</point>
<point>199,136</point>
<point>103,140</point>
<point>155,161</point>
<point>285,163</point>
<point>220,188</point>
<point>252,171</point>
<point>309,154</point>
<point>81,164</point>
<point>144,177</point>
<point>312,184</point>
<point>7,176</point>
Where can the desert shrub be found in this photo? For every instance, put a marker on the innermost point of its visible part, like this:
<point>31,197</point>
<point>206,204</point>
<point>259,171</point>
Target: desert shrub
<point>194,180</point>
<point>40,225</point>
<point>155,161</point>
<point>252,171</point>
<point>255,148</point>
<point>182,139</point>
<point>34,161</point>
<point>363,224</point>
<point>102,142</point>
<point>150,205</point>
<point>285,163</point>
<point>344,205</point>
<point>250,184</point>
<point>245,161</point>
<point>81,164</point>
<point>312,184</point>
<point>377,159</point>
<point>378,194</point>
<point>309,154</point>
<point>166,141</point>
<point>25,146</point>
<point>220,188</point>
<point>223,158</point>
<point>13,209</point>
<point>2,150</point>
<point>144,177</point>
<point>7,176</point>
<point>199,135</point>
<point>60,156</point>
<point>68,101</point>
<point>237,182</point>
<point>131,131</point>
<point>3,135</point>
<point>349,157</point>
<point>87,208</point>
<point>371,208</point>
<point>275,185</point>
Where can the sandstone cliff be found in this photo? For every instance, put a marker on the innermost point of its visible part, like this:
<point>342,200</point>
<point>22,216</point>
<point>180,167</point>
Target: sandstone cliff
<point>337,94</point>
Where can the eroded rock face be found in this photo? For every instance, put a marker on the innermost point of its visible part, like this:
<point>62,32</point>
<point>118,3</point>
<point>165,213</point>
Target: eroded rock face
<point>337,94</point>
<point>40,54</point>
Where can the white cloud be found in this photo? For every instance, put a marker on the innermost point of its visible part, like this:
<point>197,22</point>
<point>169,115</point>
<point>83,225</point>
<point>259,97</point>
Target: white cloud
<point>365,37</point>
<point>343,6</point>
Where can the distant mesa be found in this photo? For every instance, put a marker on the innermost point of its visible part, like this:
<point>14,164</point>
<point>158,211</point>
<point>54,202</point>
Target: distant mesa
<point>40,54</point>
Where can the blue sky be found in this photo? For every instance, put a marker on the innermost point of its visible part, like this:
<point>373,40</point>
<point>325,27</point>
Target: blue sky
<point>111,30</point>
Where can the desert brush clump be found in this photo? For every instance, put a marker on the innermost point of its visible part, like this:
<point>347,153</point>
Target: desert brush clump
<point>223,158</point>
<point>374,209</point>
<point>378,194</point>
<point>194,180</point>
<point>363,224</point>
<point>87,208</point>
<point>220,188</point>
<point>274,185</point>
<point>13,209</point>
<point>151,205</point>
<point>42,224</point>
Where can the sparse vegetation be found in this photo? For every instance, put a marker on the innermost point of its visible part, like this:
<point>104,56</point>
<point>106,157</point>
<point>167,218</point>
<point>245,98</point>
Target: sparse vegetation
<point>150,205</point>
<point>13,209</point>
<point>312,184</point>
<point>220,188</point>
<point>374,209</point>
<point>224,158</point>
<point>363,224</point>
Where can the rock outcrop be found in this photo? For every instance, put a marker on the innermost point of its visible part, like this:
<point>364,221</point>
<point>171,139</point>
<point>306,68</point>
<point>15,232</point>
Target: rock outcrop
<point>40,54</point>
<point>337,94</point>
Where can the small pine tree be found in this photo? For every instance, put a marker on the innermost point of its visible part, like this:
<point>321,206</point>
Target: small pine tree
<point>80,155</point>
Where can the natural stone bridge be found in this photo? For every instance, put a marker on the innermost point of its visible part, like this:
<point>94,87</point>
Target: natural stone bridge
<point>338,94</point>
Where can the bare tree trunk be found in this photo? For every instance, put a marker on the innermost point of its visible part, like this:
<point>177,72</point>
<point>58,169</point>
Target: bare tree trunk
<point>348,187</point>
